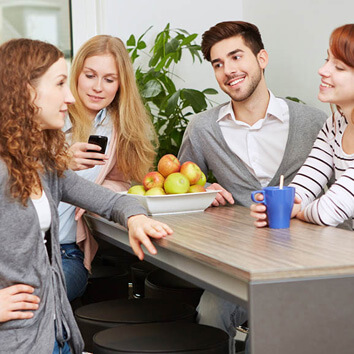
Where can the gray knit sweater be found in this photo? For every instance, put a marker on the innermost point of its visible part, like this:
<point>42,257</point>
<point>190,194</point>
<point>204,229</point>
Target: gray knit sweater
<point>24,259</point>
<point>204,144</point>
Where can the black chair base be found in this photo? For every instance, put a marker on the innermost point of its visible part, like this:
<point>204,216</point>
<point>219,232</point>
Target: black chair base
<point>162,338</point>
<point>160,284</point>
<point>106,283</point>
<point>139,271</point>
<point>103,315</point>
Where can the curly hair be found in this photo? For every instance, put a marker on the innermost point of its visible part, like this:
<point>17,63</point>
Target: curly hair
<point>26,150</point>
<point>137,139</point>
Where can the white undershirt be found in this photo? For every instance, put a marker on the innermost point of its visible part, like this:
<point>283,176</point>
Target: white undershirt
<point>44,216</point>
<point>43,211</point>
<point>260,146</point>
<point>103,125</point>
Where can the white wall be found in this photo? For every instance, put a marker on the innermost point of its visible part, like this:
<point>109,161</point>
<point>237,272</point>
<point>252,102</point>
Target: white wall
<point>122,18</point>
<point>296,34</point>
<point>84,21</point>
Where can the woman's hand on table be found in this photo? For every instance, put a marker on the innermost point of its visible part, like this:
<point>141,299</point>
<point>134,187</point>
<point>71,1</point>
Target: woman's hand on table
<point>16,301</point>
<point>259,211</point>
<point>81,159</point>
<point>140,229</point>
<point>301,216</point>
<point>222,197</point>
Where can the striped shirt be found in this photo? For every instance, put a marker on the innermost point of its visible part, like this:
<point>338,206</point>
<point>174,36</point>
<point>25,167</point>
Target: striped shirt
<point>327,158</point>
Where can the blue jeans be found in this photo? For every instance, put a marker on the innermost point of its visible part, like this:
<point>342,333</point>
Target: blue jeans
<point>216,312</point>
<point>76,274</point>
<point>63,350</point>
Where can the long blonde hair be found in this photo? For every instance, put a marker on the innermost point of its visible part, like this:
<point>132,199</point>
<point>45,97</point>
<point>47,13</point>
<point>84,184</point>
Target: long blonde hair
<point>136,137</point>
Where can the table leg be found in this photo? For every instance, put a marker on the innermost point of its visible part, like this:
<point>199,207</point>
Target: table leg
<point>311,316</point>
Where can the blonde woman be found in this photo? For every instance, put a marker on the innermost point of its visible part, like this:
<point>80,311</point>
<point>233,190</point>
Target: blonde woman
<point>107,103</point>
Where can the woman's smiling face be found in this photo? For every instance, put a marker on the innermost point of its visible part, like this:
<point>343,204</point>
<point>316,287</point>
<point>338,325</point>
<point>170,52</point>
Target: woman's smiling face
<point>52,96</point>
<point>98,83</point>
<point>337,83</point>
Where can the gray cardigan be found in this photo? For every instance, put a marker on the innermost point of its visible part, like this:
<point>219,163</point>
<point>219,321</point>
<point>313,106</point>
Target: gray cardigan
<point>24,259</point>
<point>204,144</point>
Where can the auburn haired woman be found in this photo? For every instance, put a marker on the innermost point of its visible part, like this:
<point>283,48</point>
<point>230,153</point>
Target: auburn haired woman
<point>333,150</point>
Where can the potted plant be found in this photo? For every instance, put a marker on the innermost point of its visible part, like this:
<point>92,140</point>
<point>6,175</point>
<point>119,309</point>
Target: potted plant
<point>169,107</point>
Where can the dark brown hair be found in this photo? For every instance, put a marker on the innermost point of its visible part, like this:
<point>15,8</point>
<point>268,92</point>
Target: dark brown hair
<point>25,148</point>
<point>224,30</point>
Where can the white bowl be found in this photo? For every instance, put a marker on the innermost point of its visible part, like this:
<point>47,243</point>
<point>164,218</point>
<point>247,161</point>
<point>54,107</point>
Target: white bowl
<point>176,203</point>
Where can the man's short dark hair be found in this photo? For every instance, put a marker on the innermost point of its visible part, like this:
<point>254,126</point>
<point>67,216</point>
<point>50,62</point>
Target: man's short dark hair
<point>223,30</point>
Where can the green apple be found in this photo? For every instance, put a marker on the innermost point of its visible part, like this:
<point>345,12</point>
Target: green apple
<point>196,188</point>
<point>176,183</point>
<point>202,180</point>
<point>155,191</point>
<point>138,189</point>
<point>192,171</point>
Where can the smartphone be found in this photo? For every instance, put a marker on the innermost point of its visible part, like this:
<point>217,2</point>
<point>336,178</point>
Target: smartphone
<point>99,140</point>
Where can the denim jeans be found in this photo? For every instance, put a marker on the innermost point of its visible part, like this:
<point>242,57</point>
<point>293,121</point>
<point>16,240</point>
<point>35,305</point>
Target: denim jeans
<point>63,350</point>
<point>216,312</point>
<point>76,274</point>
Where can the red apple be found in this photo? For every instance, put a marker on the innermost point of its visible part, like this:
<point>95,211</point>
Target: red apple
<point>176,183</point>
<point>202,180</point>
<point>192,171</point>
<point>196,188</point>
<point>153,179</point>
<point>168,164</point>
<point>155,191</point>
<point>138,189</point>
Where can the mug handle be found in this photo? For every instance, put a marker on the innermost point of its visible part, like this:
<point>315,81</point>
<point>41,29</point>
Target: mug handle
<point>253,196</point>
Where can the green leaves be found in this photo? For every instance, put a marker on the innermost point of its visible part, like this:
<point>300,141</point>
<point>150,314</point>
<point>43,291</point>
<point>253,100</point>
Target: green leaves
<point>172,103</point>
<point>131,41</point>
<point>195,99</point>
<point>295,99</point>
<point>151,89</point>
<point>169,107</point>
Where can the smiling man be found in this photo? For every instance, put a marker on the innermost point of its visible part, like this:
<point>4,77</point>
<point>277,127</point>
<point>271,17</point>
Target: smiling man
<point>248,142</point>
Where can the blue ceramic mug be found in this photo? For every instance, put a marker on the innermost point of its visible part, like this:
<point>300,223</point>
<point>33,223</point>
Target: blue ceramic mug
<point>279,203</point>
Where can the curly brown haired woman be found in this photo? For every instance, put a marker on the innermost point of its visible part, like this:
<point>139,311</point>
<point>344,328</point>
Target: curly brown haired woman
<point>35,314</point>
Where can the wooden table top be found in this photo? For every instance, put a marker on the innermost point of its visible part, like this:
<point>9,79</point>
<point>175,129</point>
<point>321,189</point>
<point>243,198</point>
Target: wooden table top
<point>226,238</point>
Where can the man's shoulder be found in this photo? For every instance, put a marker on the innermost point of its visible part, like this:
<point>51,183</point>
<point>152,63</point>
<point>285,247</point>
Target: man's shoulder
<point>206,117</point>
<point>304,113</point>
<point>301,108</point>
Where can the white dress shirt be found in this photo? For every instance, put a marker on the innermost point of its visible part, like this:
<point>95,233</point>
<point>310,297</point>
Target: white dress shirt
<point>260,146</point>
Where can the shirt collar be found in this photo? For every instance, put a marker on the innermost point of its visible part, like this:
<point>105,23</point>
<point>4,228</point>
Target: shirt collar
<point>274,109</point>
<point>99,119</point>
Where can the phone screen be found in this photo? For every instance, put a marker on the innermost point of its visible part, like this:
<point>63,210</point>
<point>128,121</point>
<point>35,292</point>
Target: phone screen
<point>99,140</point>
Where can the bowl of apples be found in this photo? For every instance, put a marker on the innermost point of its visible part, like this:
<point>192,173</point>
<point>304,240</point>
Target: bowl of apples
<point>173,188</point>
